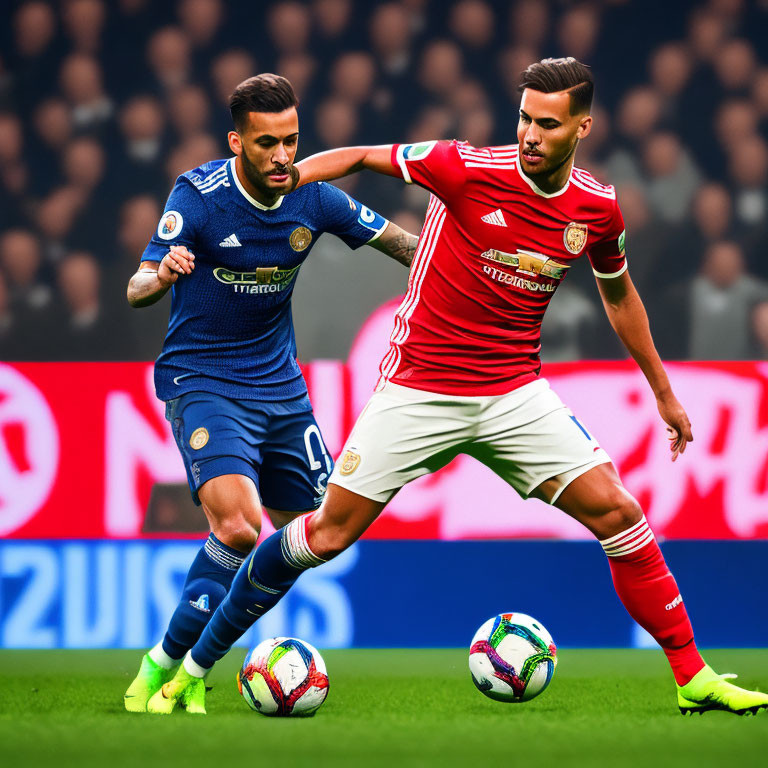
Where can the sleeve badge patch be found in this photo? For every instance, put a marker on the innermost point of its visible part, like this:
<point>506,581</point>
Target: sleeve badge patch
<point>418,151</point>
<point>366,217</point>
<point>170,225</point>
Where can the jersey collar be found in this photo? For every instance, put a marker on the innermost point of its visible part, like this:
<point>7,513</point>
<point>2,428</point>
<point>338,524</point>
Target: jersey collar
<point>252,200</point>
<point>532,184</point>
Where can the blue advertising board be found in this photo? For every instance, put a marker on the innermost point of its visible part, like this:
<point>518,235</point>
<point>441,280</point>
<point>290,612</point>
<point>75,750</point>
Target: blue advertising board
<point>119,594</point>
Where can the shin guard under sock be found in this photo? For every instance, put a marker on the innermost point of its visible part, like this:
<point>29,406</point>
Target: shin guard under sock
<point>208,581</point>
<point>651,596</point>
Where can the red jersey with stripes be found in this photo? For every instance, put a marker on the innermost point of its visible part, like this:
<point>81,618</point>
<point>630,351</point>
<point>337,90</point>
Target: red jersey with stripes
<point>492,252</point>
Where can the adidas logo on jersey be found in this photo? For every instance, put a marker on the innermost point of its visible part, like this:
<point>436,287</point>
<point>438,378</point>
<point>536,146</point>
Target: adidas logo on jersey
<point>496,218</point>
<point>230,242</point>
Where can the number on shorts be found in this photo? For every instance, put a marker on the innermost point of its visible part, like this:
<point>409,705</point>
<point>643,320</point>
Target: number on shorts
<point>314,463</point>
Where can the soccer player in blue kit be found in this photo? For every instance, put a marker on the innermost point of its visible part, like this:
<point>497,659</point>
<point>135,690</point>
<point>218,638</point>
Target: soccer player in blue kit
<point>229,246</point>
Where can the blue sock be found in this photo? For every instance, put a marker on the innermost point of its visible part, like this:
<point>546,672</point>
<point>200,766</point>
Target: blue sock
<point>207,584</point>
<point>259,585</point>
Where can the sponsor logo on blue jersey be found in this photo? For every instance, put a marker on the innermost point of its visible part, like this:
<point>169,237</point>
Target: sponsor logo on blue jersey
<point>262,280</point>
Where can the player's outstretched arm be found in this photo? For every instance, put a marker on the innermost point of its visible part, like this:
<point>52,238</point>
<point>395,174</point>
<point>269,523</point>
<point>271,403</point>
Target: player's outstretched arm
<point>397,244</point>
<point>336,163</point>
<point>153,279</point>
<point>627,315</point>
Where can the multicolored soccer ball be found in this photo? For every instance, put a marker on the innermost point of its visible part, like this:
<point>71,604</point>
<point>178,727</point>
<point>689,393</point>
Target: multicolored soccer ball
<point>283,676</point>
<point>512,657</point>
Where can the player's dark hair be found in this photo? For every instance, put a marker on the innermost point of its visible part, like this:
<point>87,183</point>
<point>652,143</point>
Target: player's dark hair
<point>262,93</point>
<point>553,75</point>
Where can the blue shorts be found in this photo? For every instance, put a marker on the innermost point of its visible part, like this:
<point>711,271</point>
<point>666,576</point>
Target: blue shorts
<point>282,451</point>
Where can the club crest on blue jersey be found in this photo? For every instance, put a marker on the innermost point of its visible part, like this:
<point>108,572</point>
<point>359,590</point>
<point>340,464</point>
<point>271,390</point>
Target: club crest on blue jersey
<point>300,238</point>
<point>170,225</point>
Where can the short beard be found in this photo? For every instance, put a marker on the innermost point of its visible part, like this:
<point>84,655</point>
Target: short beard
<point>548,171</point>
<point>256,178</point>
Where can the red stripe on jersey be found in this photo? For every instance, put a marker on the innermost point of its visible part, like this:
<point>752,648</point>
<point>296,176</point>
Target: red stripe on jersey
<point>427,241</point>
<point>431,231</point>
<point>488,156</point>
<point>588,184</point>
<point>588,178</point>
<point>419,266</point>
<point>490,164</point>
<point>592,190</point>
<point>416,272</point>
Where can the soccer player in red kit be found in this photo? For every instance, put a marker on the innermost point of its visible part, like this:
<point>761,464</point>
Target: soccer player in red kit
<point>462,374</point>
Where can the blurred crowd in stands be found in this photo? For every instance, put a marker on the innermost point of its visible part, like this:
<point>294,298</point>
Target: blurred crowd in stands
<point>103,104</point>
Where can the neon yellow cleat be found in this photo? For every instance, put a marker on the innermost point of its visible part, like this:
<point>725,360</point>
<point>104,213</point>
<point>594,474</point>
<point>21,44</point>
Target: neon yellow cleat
<point>708,690</point>
<point>183,689</point>
<point>149,681</point>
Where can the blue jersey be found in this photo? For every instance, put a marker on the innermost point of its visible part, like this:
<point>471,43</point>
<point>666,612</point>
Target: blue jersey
<point>230,330</point>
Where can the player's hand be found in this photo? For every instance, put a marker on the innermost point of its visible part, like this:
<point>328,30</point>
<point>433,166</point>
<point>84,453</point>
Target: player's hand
<point>178,261</point>
<point>679,425</point>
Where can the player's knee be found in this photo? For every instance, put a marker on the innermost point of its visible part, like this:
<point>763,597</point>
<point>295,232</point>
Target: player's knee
<point>328,541</point>
<point>238,532</point>
<point>624,513</point>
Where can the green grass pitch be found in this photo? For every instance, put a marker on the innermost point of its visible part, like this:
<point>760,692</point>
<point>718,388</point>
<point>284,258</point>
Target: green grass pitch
<point>385,707</point>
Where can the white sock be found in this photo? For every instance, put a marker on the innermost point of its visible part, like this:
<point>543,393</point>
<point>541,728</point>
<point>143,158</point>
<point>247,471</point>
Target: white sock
<point>193,667</point>
<point>161,658</point>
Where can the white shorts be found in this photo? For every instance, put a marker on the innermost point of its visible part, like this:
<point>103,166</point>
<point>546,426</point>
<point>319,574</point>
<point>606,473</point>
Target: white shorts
<point>526,436</point>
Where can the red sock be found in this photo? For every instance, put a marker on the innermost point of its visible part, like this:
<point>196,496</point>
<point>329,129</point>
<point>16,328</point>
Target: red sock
<point>651,596</point>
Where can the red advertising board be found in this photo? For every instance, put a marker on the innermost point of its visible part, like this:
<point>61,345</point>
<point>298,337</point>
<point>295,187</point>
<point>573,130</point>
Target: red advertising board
<point>81,445</point>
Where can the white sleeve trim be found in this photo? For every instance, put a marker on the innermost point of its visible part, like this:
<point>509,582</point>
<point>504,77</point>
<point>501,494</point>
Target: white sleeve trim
<point>378,232</point>
<point>605,275</point>
<point>402,164</point>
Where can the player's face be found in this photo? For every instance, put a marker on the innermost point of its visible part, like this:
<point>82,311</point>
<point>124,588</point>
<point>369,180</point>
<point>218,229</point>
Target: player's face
<point>547,132</point>
<point>267,148</point>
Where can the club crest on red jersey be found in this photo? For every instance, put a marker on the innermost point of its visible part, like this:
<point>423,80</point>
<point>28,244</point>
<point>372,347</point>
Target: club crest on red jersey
<point>575,237</point>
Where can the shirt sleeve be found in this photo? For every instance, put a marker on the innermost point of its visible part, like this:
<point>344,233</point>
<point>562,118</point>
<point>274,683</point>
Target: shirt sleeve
<point>607,254</point>
<point>184,217</point>
<point>348,219</point>
<point>434,165</point>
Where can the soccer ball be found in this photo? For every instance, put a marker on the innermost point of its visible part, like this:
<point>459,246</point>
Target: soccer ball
<point>512,657</point>
<point>283,676</point>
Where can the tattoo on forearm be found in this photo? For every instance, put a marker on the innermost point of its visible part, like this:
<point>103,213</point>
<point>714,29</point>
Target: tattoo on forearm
<point>402,246</point>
